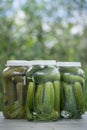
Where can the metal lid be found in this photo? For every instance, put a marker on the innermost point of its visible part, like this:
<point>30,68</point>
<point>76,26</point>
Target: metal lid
<point>18,63</point>
<point>43,62</point>
<point>69,64</point>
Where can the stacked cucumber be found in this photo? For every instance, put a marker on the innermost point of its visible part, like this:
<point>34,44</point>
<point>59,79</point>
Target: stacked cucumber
<point>43,95</point>
<point>14,93</point>
<point>72,93</point>
<point>51,96</point>
<point>45,91</point>
<point>43,101</point>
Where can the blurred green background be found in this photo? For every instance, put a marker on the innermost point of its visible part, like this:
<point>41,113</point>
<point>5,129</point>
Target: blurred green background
<point>43,29</point>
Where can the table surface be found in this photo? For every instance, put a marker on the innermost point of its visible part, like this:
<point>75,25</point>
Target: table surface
<point>64,124</point>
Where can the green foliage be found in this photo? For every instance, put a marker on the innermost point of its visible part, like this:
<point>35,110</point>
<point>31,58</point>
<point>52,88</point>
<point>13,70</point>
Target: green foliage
<point>35,30</point>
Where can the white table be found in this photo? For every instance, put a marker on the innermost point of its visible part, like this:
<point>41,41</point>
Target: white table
<point>21,124</point>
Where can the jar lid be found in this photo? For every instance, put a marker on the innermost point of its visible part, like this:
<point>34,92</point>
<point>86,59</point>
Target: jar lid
<point>43,62</point>
<point>69,64</point>
<point>18,63</point>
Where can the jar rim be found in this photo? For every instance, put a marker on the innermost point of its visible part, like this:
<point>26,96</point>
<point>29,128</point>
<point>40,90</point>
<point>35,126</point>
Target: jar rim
<point>69,64</point>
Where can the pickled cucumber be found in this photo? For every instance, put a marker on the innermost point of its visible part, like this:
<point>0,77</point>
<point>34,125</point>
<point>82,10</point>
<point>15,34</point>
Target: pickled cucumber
<point>14,111</point>
<point>20,89</point>
<point>57,96</point>
<point>39,99</point>
<point>30,95</point>
<point>72,78</point>
<point>46,75</point>
<point>79,97</point>
<point>9,91</point>
<point>70,103</point>
<point>62,96</point>
<point>48,97</point>
<point>72,70</point>
<point>11,71</point>
<point>32,70</point>
<point>28,113</point>
<point>17,78</point>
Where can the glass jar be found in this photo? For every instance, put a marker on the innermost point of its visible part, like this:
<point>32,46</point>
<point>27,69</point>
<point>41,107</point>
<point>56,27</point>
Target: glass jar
<point>72,89</point>
<point>14,89</point>
<point>43,91</point>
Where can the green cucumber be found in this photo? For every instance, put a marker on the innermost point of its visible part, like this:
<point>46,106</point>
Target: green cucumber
<point>28,113</point>
<point>39,99</point>
<point>56,85</point>
<point>20,89</point>
<point>72,70</point>
<point>79,97</point>
<point>70,103</point>
<point>62,98</point>
<point>45,75</point>
<point>32,70</point>
<point>48,97</point>
<point>30,95</point>
<point>72,78</point>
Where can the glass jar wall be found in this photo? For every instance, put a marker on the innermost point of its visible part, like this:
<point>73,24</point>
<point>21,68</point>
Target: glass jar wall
<point>72,89</point>
<point>43,91</point>
<point>14,89</point>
